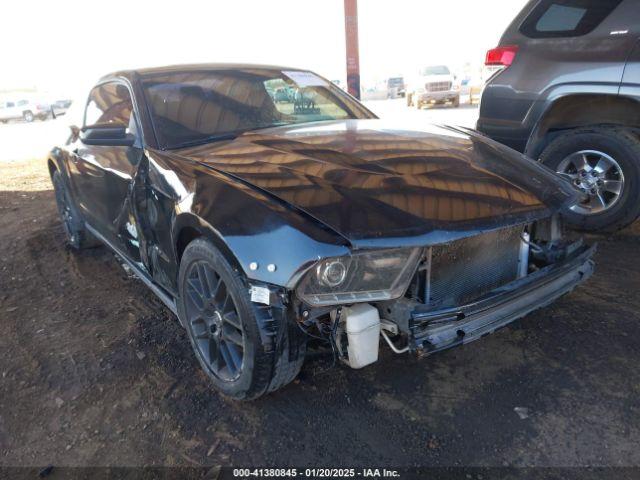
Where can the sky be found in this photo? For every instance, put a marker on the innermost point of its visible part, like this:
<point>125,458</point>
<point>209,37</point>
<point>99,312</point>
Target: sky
<point>64,46</point>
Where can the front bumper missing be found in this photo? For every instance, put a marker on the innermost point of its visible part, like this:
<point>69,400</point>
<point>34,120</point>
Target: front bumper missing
<point>432,331</point>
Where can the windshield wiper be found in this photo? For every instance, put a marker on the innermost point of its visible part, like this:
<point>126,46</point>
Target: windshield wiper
<point>202,141</point>
<point>231,136</point>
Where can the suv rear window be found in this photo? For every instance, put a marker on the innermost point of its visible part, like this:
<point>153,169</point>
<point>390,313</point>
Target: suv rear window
<point>566,18</point>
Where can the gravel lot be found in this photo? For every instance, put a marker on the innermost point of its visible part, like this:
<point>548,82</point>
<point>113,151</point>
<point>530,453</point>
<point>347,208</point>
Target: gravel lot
<point>95,371</point>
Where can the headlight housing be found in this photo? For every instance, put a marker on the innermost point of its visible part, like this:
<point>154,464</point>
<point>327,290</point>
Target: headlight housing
<point>368,276</point>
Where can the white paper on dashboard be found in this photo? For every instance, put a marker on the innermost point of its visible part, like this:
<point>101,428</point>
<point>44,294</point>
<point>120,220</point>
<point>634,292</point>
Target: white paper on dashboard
<point>305,79</point>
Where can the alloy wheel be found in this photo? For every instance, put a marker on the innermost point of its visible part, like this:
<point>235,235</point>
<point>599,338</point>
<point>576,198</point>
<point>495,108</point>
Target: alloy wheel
<point>598,175</point>
<point>65,212</point>
<point>213,320</point>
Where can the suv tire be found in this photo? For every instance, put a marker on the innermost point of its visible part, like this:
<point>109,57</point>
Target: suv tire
<point>78,237</point>
<point>223,326</point>
<point>618,144</point>
<point>28,116</point>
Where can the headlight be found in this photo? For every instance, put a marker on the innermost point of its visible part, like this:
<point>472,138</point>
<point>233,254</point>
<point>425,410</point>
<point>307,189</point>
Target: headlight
<point>332,273</point>
<point>361,277</point>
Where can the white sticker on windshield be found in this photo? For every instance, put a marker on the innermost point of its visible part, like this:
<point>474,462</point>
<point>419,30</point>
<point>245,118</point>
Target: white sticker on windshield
<point>305,79</point>
<point>260,295</point>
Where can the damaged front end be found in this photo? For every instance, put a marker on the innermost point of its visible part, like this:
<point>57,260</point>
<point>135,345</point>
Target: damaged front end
<point>427,299</point>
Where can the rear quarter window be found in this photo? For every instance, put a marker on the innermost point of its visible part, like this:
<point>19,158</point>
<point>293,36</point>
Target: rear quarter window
<point>566,18</point>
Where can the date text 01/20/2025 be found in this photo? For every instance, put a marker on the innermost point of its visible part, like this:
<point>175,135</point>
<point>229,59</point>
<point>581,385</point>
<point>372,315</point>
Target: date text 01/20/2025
<point>315,473</point>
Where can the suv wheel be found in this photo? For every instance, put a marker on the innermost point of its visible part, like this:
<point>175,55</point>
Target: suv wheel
<point>604,164</point>
<point>28,116</point>
<point>223,326</point>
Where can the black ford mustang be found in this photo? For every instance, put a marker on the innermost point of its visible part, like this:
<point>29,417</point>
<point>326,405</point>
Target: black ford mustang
<point>260,223</point>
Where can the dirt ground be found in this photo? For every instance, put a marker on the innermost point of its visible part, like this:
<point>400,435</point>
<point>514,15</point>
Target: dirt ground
<point>95,371</point>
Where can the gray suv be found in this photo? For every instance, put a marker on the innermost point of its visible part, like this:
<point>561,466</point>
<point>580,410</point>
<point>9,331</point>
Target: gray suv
<point>567,92</point>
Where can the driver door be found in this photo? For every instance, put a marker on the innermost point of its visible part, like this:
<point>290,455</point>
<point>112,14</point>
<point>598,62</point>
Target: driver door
<point>103,173</point>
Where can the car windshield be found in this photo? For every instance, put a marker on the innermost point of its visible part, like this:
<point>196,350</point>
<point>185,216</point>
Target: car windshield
<point>435,70</point>
<point>195,107</point>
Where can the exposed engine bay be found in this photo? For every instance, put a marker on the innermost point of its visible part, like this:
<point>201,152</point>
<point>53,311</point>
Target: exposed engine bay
<point>457,292</point>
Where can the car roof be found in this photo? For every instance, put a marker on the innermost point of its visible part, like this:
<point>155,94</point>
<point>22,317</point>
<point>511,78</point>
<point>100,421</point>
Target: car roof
<point>143,72</point>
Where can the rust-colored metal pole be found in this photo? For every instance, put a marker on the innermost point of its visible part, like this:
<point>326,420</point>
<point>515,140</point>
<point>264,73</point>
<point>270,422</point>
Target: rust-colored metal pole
<point>353,55</point>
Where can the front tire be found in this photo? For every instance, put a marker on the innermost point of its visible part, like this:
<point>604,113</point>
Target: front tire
<point>76,234</point>
<point>28,116</point>
<point>605,164</point>
<point>223,326</point>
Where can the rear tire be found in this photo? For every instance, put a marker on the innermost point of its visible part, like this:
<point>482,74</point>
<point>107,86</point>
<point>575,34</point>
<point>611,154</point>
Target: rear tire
<point>78,237</point>
<point>225,332</point>
<point>616,144</point>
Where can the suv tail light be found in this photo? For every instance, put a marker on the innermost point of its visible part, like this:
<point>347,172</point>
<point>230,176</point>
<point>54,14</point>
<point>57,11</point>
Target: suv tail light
<point>501,56</point>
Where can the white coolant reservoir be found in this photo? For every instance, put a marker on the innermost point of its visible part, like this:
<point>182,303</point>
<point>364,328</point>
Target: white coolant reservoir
<point>363,334</point>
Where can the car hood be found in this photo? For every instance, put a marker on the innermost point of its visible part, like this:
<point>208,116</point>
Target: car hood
<point>380,184</point>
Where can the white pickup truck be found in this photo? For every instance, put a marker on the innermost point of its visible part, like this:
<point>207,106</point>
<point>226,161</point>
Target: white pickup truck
<point>25,109</point>
<point>434,84</point>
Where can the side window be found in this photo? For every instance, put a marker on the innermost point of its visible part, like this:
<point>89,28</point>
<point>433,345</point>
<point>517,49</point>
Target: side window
<point>109,103</point>
<point>560,18</point>
<point>22,103</point>
<point>566,18</point>
<point>10,104</point>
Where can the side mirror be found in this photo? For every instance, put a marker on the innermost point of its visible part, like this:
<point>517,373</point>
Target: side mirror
<point>107,135</point>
